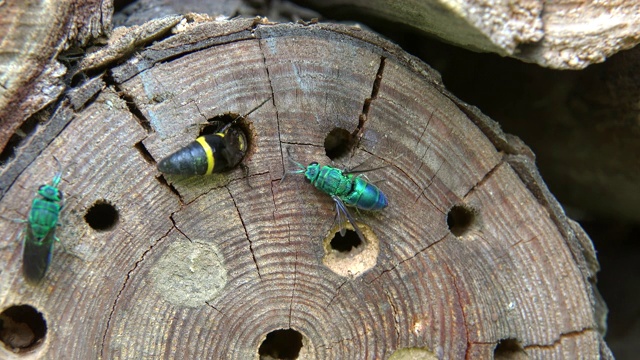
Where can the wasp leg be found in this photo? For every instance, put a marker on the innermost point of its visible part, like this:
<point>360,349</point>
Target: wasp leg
<point>341,208</point>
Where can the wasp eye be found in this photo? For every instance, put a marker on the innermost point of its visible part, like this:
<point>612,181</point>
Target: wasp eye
<point>41,187</point>
<point>313,163</point>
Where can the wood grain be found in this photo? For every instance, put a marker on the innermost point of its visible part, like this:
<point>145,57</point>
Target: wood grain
<point>207,267</point>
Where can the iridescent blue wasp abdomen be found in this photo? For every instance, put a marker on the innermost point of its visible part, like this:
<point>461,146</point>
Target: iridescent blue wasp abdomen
<point>352,190</point>
<point>345,190</point>
<point>365,196</point>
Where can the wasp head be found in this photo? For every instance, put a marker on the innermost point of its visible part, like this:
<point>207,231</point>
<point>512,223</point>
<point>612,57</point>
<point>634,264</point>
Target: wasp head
<point>50,193</point>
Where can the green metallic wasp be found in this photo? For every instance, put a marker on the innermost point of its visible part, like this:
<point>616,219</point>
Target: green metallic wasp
<point>346,189</point>
<point>39,233</point>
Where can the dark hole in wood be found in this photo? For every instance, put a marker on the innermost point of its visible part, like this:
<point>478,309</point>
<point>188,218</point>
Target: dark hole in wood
<point>460,220</point>
<point>346,243</point>
<point>509,349</point>
<point>102,216</point>
<point>216,123</point>
<point>22,328</point>
<point>281,344</point>
<point>337,143</point>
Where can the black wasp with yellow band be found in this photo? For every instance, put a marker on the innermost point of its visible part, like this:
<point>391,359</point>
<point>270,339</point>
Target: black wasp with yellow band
<point>209,154</point>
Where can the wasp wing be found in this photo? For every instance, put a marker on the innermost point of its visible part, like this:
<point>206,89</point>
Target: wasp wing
<point>36,255</point>
<point>342,210</point>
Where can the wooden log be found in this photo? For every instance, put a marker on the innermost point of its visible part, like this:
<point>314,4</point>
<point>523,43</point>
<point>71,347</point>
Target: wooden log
<point>554,34</point>
<point>34,34</point>
<point>472,258</point>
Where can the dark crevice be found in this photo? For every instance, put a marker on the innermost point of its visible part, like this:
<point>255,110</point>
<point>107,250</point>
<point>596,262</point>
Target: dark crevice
<point>19,136</point>
<point>161,179</point>
<point>562,336</point>
<point>302,144</point>
<point>146,155</point>
<point>135,111</point>
<point>173,221</point>
<point>126,281</point>
<point>244,227</point>
<point>374,94</point>
<point>364,116</point>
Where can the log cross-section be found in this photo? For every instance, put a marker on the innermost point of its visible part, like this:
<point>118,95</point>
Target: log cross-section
<point>472,258</point>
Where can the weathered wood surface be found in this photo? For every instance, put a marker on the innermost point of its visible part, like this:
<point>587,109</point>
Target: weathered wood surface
<point>207,267</point>
<point>554,34</point>
<point>33,35</point>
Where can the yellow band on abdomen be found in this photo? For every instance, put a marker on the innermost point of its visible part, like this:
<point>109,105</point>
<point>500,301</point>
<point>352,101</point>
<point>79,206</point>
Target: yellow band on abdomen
<point>209,152</point>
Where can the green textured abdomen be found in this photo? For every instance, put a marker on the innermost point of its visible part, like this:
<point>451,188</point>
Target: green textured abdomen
<point>43,217</point>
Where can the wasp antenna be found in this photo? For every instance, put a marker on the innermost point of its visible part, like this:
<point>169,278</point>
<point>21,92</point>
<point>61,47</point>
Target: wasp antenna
<point>224,128</point>
<point>302,167</point>
<point>58,175</point>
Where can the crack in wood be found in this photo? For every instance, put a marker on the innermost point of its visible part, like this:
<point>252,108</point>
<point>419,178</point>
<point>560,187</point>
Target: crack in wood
<point>484,179</point>
<point>31,147</point>
<point>406,259</point>
<point>214,308</point>
<point>163,181</point>
<point>422,192</point>
<point>459,302</point>
<point>426,127</point>
<point>127,278</point>
<point>244,227</point>
<point>146,155</point>
<point>133,109</point>
<point>337,292</point>
<point>396,323</point>
<point>364,116</point>
<point>561,337</point>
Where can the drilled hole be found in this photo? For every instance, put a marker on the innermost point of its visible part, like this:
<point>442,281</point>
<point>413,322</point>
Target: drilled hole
<point>509,349</point>
<point>22,328</point>
<point>461,219</point>
<point>346,243</point>
<point>351,256</point>
<point>102,216</point>
<point>281,344</point>
<point>337,143</point>
<point>216,123</point>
